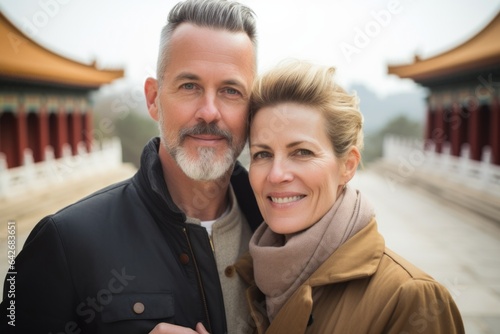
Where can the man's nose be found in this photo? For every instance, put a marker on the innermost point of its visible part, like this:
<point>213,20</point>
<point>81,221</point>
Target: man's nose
<point>208,110</point>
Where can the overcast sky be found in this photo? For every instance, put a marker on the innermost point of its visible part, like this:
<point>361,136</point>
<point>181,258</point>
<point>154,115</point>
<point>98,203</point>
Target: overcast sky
<point>360,38</point>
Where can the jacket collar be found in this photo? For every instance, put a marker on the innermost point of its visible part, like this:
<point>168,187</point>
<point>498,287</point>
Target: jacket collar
<point>358,257</point>
<point>154,192</point>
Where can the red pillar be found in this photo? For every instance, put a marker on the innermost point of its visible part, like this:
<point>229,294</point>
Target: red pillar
<point>495,131</point>
<point>455,129</point>
<point>43,131</point>
<point>474,140</point>
<point>38,136</point>
<point>439,132</point>
<point>429,124</point>
<point>88,128</point>
<point>74,131</point>
<point>61,132</point>
<point>22,136</point>
<point>8,138</point>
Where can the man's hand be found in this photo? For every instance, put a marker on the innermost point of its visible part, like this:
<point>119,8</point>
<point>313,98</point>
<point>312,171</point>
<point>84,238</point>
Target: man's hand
<point>164,328</point>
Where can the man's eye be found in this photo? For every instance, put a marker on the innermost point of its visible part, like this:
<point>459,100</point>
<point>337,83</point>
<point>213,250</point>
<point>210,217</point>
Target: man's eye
<point>232,91</point>
<point>188,86</point>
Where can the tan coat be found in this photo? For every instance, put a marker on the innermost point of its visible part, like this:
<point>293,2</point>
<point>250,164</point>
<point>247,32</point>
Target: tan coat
<point>361,288</point>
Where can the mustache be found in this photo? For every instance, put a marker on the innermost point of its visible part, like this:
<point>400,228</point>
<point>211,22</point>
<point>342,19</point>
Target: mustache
<point>206,129</point>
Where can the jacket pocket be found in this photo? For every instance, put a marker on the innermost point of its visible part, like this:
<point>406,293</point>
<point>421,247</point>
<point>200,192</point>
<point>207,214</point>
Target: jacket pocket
<point>139,306</point>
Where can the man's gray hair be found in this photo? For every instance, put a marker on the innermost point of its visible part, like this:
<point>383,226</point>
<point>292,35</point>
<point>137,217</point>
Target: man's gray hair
<point>218,14</point>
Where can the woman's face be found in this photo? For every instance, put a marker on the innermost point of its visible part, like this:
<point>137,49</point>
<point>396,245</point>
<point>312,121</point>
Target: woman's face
<point>294,172</point>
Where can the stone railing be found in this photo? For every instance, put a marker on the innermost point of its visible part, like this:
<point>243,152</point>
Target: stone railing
<point>31,176</point>
<point>411,158</point>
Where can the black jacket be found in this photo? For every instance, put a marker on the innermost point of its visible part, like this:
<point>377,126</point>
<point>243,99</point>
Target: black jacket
<point>122,260</point>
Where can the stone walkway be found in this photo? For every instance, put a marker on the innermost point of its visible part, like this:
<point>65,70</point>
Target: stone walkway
<point>457,247</point>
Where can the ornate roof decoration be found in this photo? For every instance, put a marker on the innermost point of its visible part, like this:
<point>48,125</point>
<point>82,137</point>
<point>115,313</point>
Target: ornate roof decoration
<point>479,52</point>
<point>24,60</point>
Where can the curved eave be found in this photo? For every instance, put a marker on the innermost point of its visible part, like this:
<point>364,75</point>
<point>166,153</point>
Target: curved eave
<point>58,74</point>
<point>22,59</point>
<point>481,51</point>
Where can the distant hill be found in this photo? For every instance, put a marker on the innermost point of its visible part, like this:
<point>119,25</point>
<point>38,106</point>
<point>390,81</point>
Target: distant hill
<point>379,111</point>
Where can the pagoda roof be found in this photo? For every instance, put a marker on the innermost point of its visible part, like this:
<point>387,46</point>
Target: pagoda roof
<point>24,60</point>
<point>479,52</point>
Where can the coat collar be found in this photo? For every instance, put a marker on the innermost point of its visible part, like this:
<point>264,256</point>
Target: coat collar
<point>359,257</point>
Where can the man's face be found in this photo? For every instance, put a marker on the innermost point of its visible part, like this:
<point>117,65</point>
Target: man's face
<point>203,99</point>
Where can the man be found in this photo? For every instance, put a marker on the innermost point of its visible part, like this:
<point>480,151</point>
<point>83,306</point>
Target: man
<point>137,253</point>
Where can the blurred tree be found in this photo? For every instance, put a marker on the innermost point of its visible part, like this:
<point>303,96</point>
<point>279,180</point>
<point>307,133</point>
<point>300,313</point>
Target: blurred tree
<point>134,131</point>
<point>400,126</point>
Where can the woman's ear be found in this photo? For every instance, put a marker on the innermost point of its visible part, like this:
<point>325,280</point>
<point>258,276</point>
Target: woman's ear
<point>351,162</point>
<point>151,93</point>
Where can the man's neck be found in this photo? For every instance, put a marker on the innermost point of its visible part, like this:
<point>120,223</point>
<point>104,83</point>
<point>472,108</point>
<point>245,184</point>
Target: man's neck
<point>204,200</point>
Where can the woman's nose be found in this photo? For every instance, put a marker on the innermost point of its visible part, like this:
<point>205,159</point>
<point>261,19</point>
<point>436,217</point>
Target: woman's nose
<point>279,172</point>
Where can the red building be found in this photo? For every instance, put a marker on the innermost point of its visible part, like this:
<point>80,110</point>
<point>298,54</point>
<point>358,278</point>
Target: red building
<point>44,98</point>
<point>464,92</point>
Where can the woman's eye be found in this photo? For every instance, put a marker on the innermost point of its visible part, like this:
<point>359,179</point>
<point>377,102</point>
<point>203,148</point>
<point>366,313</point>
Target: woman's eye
<point>303,152</point>
<point>261,155</point>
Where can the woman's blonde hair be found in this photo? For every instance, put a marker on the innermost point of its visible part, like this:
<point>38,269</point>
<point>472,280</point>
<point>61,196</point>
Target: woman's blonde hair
<point>313,86</point>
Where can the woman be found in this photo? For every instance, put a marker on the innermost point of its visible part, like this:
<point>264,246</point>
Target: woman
<point>319,263</point>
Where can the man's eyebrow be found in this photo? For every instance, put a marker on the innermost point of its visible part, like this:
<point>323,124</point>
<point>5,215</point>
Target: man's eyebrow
<point>233,82</point>
<point>186,76</point>
<point>193,77</point>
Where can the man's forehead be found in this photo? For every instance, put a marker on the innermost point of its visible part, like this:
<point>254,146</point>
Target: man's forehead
<point>190,38</point>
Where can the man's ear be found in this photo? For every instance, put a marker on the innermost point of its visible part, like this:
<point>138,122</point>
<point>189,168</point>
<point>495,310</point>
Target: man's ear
<point>351,163</point>
<point>151,93</point>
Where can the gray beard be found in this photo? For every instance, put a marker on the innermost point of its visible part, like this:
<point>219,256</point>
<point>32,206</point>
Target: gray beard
<point>206,166</point>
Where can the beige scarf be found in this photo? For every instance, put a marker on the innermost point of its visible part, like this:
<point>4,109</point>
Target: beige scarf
<point>282,264</point>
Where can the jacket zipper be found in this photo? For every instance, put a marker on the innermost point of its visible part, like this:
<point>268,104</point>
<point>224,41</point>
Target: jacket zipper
<point>204,299</point>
